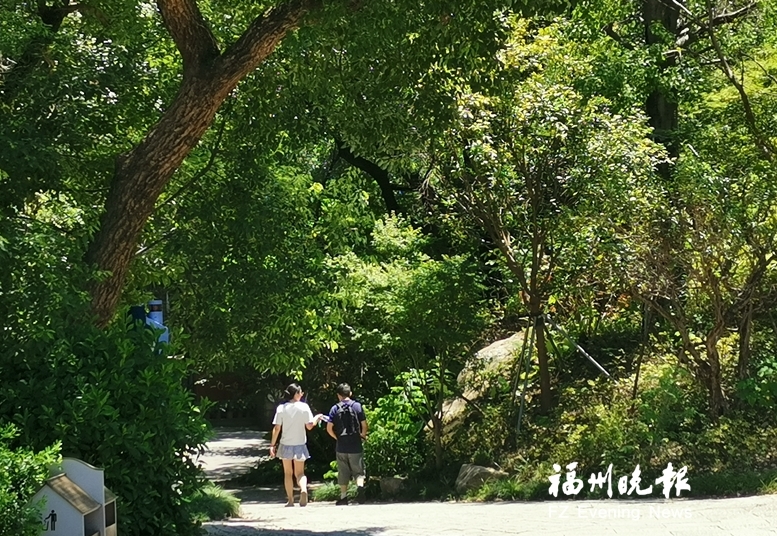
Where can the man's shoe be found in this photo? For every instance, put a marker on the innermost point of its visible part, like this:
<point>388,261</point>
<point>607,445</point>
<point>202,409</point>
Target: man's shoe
<point>360,495</point>
<point>342,502</point>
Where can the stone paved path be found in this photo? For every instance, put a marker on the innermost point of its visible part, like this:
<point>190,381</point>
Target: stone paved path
<point>263,514</point>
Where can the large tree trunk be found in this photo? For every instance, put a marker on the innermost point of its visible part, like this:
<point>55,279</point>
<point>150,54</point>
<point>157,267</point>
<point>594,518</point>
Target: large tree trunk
<point>542,359</point>
<point>142,174</point>
<point>711,375</point>
<point>660,107</point>
<point>139,180</point>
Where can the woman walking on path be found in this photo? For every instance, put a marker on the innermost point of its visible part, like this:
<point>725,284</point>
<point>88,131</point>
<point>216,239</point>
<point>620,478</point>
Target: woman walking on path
<point>291,419</point>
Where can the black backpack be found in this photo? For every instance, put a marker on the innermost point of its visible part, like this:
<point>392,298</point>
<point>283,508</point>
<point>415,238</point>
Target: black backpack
<point>348,419</point>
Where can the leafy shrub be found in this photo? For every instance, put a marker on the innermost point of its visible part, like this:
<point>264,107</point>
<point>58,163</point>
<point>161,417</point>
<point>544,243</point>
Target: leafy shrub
<point>599,424</point>
<point>22,473</point>
<point>511,489</point>
<point>332,473</point>
<point>109,396</point>
<point>733,444</point>
<point>330,491</point>
<point>395,445</point>
<point>759,392</point>
<point>212,503</point>
<point>115,402</point>
<point>494,429</point>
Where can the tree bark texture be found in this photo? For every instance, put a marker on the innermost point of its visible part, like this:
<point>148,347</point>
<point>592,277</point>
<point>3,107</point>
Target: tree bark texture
<point>142,174</point>
<point>546,401</point>
<point>711,373</point>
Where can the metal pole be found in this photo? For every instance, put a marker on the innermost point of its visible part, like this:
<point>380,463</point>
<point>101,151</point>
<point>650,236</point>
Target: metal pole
<point>579,348</point>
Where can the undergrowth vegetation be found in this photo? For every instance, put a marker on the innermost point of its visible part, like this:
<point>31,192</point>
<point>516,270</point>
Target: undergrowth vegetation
<point>212,503</point>
<point>599,422</point>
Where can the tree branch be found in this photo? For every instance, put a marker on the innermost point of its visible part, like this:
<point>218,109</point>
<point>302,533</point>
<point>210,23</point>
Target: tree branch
<point>724,18</point>
<point>205,169</point>
<point>609,30</point>
<point>687,37</point>
<point>762,140</point>
<point>372,169</point>
<point>190,33</point>
<point>262,36</point>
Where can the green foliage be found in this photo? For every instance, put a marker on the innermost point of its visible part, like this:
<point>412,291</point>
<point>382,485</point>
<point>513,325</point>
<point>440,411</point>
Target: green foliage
<point>119,405</point>
<point>22,473</point>
<point>511,489</point>
<point>274,255</point>
<point>396,444</point>
<point>212,503</point>
<point>401,301</point>
<point>417,312</point>
<point>734,483</point>
<point>332,473</point>
<point>246,242</point>
<point>330,491</point>
<point>494,426</point>
<point>111,397</point>
<point>599,424</point>
<point>760,391</point>
<point>548,170</point>
<point>607,427</point>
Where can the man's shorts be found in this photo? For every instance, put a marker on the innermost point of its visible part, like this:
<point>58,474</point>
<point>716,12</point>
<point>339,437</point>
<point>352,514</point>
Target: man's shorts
<point>349,466</point>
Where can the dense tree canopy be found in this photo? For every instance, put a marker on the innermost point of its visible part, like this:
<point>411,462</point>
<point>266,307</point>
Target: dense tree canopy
<point>381,187</point>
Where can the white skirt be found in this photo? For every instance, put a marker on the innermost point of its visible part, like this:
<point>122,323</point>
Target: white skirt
<point>293,452</point>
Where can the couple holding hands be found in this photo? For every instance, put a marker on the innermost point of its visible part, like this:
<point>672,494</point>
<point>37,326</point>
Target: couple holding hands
<point>346,423</point>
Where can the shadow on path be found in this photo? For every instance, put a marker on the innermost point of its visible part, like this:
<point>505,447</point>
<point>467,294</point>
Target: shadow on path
<point>233,452</point>
<point>259,494</point>
<point>241,529</point>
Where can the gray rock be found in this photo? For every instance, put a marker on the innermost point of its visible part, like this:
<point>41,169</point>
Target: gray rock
<point>473,476</point>
<point>391,485</point>
<point>496,359</point>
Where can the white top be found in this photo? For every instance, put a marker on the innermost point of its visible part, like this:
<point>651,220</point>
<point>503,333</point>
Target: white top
<point>293,416</point>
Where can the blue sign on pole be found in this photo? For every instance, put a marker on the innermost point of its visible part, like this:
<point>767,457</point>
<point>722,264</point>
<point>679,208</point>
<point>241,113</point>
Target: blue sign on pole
<point>154,319</point>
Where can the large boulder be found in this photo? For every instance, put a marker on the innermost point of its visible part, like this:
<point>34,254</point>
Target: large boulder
<point>496,359</point>
<point>473,476</point>
<point>391,486</point>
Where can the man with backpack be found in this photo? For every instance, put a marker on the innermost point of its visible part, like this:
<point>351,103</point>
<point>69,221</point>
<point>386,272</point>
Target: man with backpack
<point>348,426</point>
